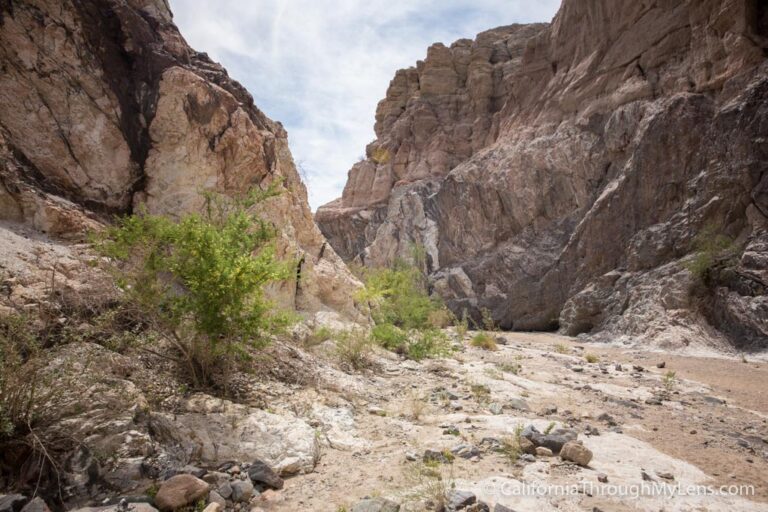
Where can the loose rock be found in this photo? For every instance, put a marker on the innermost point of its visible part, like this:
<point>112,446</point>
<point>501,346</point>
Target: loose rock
<point>179,491</point>
<point>576,452</point>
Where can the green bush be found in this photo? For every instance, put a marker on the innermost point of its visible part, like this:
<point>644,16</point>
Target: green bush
<point>484,341</point>
<point>354,348</point>
<point>200,279</point>
<point>710,247</point>
<point>399,296</point>
<point>428,343</point>
<point>390,337</point>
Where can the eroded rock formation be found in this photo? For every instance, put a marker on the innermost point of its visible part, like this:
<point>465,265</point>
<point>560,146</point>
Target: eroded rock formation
<point>563,174</point>
<point>104,107</point>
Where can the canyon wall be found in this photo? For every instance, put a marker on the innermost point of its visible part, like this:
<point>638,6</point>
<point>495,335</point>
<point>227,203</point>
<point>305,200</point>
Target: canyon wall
<point>104,108</point>
<point>573,175</point>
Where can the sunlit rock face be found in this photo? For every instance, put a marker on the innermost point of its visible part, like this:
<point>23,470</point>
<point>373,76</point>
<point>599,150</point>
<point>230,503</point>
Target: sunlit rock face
<point>559,174</point>
<point>105,108</point>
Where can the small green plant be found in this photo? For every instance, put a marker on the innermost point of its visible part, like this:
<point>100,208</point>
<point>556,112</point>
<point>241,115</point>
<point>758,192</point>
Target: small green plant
<point>354,348</point>
<point>481,393</point>
<point>512,368</point>
<point>430,482</point>
<point>591,358</point>
<point>510,445</point>
<point>318,336</point>
<point>550,427</point>
<point>462,326</point>
<point>484,341</point>
<point>669,381</point>
<point>494,373</point>
<point>487,318</point>
<point>561,348</point>
<point>428,343</point>
<point>390,337</point>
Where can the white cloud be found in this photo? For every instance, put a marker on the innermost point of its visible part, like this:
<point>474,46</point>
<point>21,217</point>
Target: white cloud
<point>320,67</point>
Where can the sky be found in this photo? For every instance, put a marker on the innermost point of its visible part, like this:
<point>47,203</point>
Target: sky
<point>321,66</point>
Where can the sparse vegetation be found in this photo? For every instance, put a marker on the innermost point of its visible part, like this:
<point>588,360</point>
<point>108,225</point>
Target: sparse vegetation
<point>429,482</point>
<point>20,385</point>
<point>710,246</point>
<point>484,341</point>
<point>510,445</point>
<point>354,348</point>
<point>513,368</point>
<point>428,343</point>
<point>462,325</point>
<point>562,348</point>
<point>318,336</point>
<point>407,320</point>
<point>591,358</point>
<point>481,393</point>
<point>550,427</point>
<point>199,280</point>
<point>669,381</point>
<point>487,319</point>
<point>380,155</point>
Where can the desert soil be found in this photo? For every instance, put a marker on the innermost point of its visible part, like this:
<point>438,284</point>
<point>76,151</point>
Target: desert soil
<point>711,430</point>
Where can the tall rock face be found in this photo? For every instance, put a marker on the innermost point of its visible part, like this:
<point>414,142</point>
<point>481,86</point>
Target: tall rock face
<point>573,174</point>
<point>104,107</point>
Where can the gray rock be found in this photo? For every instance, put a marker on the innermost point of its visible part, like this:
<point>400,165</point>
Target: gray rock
<point>458,500</point>
<point>554,440</point>
<point>495,408</point>
<point>12,502</point>
<point>501,508</point>
<point>242,490</point>
<point>518,404</point>
<point>435,456</point>
<point>577,369</point>
<point>260,473</point>
<point>375,505</point>
<point>36,505</point>
<point>465,451</point>
<point>215,497</point>
<point>576,452</point>
<point>225,490</point>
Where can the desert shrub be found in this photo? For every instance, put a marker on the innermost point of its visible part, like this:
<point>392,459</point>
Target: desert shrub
<point>710,247</point>
<point>380,155</point>
<point>200,280</point>
<point>487,319</point>
<point>428,343</point>
<point>318,336</point>
<point>484,341</point>
<point>399,296</point>
<point>390,337</point>
<point>510,445</point>
<point>20,383</point>
<point>591,358</point>
<point>354,348</point>
<point>561,348</point>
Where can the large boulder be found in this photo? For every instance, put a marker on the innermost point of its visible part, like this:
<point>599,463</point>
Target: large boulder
<point>213,430</point>
<point>179,491</point>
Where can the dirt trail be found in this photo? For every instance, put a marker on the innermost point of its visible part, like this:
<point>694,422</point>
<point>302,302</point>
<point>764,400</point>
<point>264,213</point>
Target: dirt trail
<point>712,431</point>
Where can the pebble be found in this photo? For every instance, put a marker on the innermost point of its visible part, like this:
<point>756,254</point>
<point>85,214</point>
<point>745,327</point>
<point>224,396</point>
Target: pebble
<point>602,477</point>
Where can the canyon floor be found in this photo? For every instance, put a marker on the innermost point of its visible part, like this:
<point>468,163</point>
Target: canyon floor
<point>710,428</point>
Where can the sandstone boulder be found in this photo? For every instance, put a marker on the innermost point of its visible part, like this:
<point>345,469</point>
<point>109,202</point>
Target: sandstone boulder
<point>576,452</point>
<point>179,491</point>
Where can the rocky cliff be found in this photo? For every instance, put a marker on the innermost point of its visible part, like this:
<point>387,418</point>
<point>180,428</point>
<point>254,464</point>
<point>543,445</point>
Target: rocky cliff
<point>104,107</point>
<point>572,174</point>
